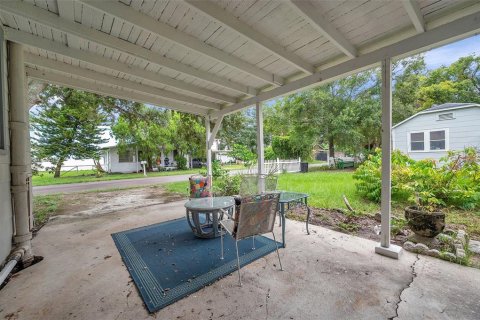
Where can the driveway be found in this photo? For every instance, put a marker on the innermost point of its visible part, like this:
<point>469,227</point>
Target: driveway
<point>102,185</point>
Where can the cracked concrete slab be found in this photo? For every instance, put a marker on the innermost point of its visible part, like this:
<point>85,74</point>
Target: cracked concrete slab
<point>441,291</point>
<point>328,275</point>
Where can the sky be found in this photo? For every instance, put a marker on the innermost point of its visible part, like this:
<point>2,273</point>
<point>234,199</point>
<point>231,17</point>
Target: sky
<point>451,52</point>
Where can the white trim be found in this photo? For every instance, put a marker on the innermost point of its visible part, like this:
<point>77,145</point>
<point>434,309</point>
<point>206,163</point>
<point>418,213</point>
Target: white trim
<point>85,56</point>
<point>105,90</point>
<point>51,20</point>
<point>415,14</point>
<point>433,111</point>
<point>426,140</point>
<point>322,25</point>
<point>447,32</point>
<point>145,22</point>
<point>222,16</point>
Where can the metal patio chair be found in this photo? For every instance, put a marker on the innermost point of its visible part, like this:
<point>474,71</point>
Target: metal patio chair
<point>255,216</point>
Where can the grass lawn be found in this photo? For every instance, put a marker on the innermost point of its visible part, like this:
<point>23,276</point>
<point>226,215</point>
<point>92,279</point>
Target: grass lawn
<point>324,187</point>
<point>44,178</point>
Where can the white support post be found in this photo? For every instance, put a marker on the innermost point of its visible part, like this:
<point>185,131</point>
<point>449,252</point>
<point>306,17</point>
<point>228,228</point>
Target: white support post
<point>260,148</point>
<point>20,151</point>
<point>386,248</point>
<point>209,150</point>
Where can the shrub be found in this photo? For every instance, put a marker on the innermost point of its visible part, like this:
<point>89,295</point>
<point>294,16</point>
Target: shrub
<point>181,162</point>
<point>454,181</point>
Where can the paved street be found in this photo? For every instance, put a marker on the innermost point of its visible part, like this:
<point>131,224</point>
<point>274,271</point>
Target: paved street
<point>102,185</point>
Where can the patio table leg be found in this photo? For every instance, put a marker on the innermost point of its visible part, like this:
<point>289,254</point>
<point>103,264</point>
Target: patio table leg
<point>282,210</point>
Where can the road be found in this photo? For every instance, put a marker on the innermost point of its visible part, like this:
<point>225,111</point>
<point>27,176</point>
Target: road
<point>101,185</point>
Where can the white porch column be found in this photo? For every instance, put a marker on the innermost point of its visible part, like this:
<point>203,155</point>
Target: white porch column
<point>386,248</point>
<point>260,148</point>
<point>20,150</point>
<point>209,149</point>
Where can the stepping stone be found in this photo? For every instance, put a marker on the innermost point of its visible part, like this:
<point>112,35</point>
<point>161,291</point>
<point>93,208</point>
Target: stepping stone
<point>474,246</point>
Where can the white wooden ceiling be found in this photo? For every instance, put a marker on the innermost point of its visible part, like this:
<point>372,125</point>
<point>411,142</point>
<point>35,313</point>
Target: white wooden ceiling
<point>215,57</point>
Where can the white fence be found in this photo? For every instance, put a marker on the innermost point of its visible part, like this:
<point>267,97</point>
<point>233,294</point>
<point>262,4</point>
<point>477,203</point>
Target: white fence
<point>275,166</point>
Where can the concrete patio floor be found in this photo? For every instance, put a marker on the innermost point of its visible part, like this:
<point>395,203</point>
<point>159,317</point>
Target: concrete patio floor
<point>328,275</point>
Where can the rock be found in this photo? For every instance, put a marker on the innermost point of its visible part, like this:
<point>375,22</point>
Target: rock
<point>458,246</point>
<point>408,245</point>
<point>433,253</point>
<point>420,248</point>
<point>449,232</point>
<point>461,237</point>
<point>474,246</point>
<point>444,238</point>
<point>448,256</point>
<point>460,253</point>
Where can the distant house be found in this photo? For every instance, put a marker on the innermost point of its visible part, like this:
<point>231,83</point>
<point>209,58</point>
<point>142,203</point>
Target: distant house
<point>433,132</point>
<point>128,159</point>
<point>221,154</point>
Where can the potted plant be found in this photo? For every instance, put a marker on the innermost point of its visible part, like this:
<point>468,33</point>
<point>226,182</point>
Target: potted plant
<point>425,218</point>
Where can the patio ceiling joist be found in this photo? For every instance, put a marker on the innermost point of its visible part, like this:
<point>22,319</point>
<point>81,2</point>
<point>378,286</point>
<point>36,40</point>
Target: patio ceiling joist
<point>223,17</point>
<point>52,20</point>
<point>105,90</point>
<point>413,10</point>
<point>453,30</point>
<point>58,48</point>
<point>146,22</point>
<point>319,23</point>
<point>104,78</point>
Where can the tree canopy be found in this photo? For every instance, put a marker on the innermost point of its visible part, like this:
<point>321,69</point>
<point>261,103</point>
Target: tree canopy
<point>67,123</point>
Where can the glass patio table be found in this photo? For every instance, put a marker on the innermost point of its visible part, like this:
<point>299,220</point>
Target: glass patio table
<point>288,199</point>
<point>203,214</point>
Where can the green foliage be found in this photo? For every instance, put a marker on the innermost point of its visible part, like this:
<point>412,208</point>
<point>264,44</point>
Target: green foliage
<point>286,148</point>
<point>181,162</point>
<point>269,154</point>
<point>243,153</point>
<point>67,124</point>
<point>454,181</point>
<point>45,206</point>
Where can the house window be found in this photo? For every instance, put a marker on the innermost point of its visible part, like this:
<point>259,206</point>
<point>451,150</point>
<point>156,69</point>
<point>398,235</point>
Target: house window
<point>445,116</point>
<point>126,155</point>
<point>417,141</point>
<point>428,140</point>
<point>437,140</point>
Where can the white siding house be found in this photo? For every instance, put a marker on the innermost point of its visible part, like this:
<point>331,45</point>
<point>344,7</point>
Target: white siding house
<point>433,132</point>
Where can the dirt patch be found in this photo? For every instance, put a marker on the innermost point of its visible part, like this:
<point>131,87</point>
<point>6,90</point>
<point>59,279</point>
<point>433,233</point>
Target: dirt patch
<point>103,202</point>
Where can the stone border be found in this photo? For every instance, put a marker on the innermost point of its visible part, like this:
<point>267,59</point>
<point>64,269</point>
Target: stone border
<point>458,242</point>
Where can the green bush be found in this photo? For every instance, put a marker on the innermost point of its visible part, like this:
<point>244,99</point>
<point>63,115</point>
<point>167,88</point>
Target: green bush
<point>453,181</point>
<point>181,162</point>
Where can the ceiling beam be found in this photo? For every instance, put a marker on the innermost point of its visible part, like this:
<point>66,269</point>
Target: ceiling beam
<point>101,77</point>
<point>416,16</point>
<point>148,23</point>
<point>315,18</point>
<point>431,38</point>
<point>229,20</point>
<point>56,47</point>
<point>51,20</point>
<point>105,90</point>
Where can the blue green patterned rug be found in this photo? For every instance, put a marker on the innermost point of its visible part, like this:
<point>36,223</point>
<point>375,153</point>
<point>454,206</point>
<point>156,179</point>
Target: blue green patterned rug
<point>167,262</point>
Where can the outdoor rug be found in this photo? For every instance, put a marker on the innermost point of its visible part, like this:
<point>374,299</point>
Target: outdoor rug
<point>167,262</point>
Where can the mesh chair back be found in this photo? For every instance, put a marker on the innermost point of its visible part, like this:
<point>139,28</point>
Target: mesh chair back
<point>199,187</point>
<point>249,183</point>
<point>257,215</point>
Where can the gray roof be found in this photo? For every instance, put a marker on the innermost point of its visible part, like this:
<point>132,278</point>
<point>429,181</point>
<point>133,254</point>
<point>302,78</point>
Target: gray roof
<point>440,107</point>
<point>445,106</point>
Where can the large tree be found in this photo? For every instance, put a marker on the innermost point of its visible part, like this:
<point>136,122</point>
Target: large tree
<point>66,124</point>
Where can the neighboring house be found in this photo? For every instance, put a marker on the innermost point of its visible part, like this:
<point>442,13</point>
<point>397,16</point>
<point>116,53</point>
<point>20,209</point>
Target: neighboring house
<point>433,132</point>
<point>222,155</point>
<point>128,160</point>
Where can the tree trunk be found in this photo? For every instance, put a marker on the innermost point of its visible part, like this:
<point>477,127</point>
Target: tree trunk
<point>331,148</point>
<point>98,166</point>
<point>58,167</point>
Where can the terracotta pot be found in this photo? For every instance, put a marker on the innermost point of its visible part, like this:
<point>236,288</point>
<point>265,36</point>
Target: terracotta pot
<point>426,224</point>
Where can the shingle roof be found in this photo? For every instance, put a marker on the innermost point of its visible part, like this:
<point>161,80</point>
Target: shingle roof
<point>445,106</point>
